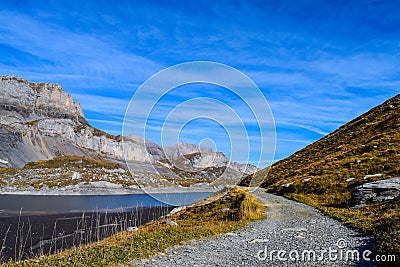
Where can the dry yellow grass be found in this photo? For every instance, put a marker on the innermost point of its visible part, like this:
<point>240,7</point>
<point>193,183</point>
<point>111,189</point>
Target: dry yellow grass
<point>197,221</point>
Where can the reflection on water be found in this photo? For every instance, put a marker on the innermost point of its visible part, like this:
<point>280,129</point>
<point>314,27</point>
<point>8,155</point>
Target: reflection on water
<point>11,204</point>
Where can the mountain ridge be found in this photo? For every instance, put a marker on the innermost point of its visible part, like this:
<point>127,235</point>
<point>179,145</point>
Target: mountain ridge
<point>356,138</point>
<point>350,175</point>
<point>40,121</point>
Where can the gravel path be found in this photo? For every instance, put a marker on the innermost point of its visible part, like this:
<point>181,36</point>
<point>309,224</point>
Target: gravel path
<point>292,227</point>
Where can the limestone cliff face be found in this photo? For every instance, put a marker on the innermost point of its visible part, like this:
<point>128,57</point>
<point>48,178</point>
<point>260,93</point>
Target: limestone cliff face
<point>181,149</point>
<point>37,100</point>
<point>197,161</point>
<point>41,121</point>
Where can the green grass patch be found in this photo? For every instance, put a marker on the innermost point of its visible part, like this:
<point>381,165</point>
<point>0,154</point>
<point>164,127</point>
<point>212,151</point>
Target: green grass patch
<point>71,161</point>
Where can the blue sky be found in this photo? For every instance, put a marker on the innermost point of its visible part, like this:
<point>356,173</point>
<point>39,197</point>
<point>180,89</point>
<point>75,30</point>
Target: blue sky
<point>318,63</point>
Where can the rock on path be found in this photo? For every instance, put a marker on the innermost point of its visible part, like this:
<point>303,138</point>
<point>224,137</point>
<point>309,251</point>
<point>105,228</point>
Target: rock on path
<point>296,229</point>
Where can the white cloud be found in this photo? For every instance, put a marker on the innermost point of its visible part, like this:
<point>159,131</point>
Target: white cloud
<point>102,104</point>
<point>73,53</point>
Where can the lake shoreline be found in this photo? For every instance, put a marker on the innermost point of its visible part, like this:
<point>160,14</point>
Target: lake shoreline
<point>15,204</point>
<point>49,233</point>
<point>92,189</point>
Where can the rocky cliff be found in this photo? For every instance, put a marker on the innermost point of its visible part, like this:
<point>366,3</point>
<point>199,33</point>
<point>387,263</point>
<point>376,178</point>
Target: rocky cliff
<point>32,101</point>
<point>40,121</point>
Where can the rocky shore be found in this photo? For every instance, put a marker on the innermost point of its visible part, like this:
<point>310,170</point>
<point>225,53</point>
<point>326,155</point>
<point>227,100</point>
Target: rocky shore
<point>104,188</point>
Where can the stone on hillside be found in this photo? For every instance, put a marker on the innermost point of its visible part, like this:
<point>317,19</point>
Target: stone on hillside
<point>177,209</point>
<point>287,185</point>
<point>375,192</point>
<point>132,229</point>
<point>372,175</point>
<point>170,222</point>
<point>76,176</point>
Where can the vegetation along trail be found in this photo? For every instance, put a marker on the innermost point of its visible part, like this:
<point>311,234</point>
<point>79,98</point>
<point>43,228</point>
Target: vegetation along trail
<point>293,233</point>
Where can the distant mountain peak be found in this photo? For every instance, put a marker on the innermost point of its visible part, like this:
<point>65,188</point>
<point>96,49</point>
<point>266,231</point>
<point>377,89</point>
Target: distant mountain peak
<point>40,121</point>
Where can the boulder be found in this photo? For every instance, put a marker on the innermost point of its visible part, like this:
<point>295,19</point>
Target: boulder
<point>375,192</point>
<point>170,222</point>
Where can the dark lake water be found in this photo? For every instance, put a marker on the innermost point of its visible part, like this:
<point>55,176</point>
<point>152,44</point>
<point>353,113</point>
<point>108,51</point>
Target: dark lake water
<point>48,224</point>
<point>38,204</point>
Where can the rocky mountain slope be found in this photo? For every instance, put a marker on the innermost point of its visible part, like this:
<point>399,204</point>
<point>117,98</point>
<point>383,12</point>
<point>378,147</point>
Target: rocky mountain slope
<point>338,174</point>
<point>40,121</point>
<point>365,149</point>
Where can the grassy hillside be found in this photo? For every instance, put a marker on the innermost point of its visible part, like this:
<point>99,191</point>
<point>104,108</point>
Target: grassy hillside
<point>320,173</point>
<point>64,171</point>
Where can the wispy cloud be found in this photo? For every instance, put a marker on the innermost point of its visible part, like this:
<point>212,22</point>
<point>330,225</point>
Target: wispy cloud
<point>69,53</point>
<point>102,104</point>
<point>318,64</point>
